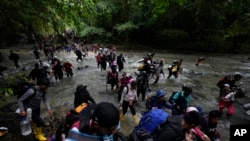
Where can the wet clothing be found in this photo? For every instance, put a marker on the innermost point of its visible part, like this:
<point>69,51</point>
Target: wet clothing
<point>57,69</point>
<point>142,86</point>
<point>128,99</point>
<point>15,57</point>
<point>155,102</point>
<point>173,70</point>
<point>104,62</point>
<point>112,79</point>
<point>229,79</point>
<point>32,99</point>
<point>68,68</point>
<point>79,55</point>
<point>124,81</point>
<point>227,101</point>
<point>171,130</point>
<point>120,62</point>
<point>98,60</point>
<point>181,103</point>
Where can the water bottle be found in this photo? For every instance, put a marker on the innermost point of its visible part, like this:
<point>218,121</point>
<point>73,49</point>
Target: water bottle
<point>25,126</point>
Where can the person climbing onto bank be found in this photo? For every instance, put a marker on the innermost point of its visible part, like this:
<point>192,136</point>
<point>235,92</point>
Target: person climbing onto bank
<point>181,100</point>
<point>157,101</point>
<point>229,79</point>
<point>32,99</point>
<point>100,123</point>
<point>15,58</point>
<point>128,100</point>
<point>226,100</point>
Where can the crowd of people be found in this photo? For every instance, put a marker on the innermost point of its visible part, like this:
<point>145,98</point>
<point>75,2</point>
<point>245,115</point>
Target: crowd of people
<point>101,121</point>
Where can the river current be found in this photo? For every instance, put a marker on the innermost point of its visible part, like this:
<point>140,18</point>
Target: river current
<point>202,79</point>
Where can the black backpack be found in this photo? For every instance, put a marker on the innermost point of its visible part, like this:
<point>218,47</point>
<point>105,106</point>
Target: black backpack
<point>71,117</point>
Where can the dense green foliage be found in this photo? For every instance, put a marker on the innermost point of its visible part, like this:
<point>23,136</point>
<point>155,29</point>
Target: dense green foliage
<point>199,25</point>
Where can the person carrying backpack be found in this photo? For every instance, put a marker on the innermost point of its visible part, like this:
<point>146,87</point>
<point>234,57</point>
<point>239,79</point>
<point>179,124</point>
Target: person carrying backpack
<point>209,123</point>
<point>82,96</point>
<point>112,77</point>
<point>229,79</point>
<point>100,123</point>
<point>177,127</point>
<point>142,84</point>
<point>124,81</point>
<point>181,100</point>
<point>149,125</point>
<point>32,99</point>
<point>158,101</point>
<point>128,100</point>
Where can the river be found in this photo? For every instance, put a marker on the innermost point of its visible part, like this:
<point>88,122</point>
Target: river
<point>205,91</point>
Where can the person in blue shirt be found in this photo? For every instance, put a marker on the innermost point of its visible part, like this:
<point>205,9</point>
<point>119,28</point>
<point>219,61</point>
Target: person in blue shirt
<point>157,101</point>
<point>181,100</point>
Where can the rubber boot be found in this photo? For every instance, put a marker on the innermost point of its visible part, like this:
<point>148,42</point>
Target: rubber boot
<point>135,118</point>
<point>121,117</point>
<point>39,134</point>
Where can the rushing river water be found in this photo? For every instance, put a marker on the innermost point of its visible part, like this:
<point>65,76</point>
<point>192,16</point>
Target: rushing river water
<point>205,91</point>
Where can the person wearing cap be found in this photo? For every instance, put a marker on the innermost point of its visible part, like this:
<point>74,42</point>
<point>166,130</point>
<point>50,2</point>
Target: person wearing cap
<point>181,100</point>
<point>100,123</point>
<point>157,101</point>
<point>32,99</point>
<point>226,100</point>
<point>128,100</point>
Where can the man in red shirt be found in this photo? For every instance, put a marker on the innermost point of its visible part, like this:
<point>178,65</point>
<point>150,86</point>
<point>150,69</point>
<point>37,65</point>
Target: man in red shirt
<point>68,68</point>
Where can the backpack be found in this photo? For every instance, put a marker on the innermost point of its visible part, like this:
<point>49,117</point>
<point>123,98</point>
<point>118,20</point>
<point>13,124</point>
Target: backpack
<point>171,97</point>
<point>152,120</point>
<point>79,113</point>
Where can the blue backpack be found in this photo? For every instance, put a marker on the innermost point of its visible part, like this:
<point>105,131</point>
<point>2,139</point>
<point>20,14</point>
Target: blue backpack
<point>152,120</point>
